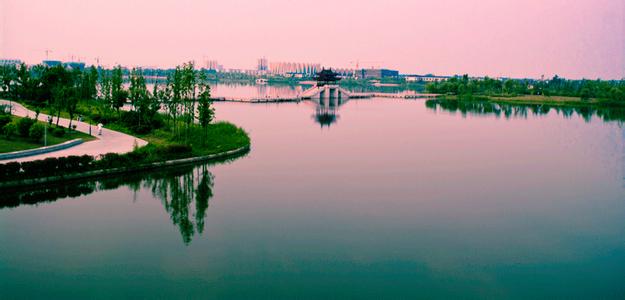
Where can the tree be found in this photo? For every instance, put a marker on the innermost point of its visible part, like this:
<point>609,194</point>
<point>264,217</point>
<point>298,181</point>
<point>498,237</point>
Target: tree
<point>118,99</point>
<point>189,89</point>
<point>585,94</point>
<point>118,94</point>
<point>59,94</point>
<point>205,111</point>
<point>138,95</point>
<point>617,94</point>
<point>7,78</point>
<point>71,102</point>
<point>104,84</point>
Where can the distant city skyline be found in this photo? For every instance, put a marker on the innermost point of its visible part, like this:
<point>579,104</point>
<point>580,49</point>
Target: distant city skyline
<point>584,39</point>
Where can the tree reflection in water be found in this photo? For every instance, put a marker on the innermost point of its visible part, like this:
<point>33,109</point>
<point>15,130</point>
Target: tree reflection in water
<point>176,188</point>
<point>177,194</point>
<point>521,111</point>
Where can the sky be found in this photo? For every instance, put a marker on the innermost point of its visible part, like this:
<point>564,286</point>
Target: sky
<point>510,38</point>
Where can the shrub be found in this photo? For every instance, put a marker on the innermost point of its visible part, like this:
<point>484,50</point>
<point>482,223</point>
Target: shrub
<point>9,130</point>
<point>58,132</point>
<point>112,160</point>
<point>173,151</point>
<point>36,131</point>
<point>48,167</point>
<point>35,168</point>
<point>86,162</point>
<point>51,166</point>
<point>23,126</point>
<point>4,119</point>
<point>9,170</point>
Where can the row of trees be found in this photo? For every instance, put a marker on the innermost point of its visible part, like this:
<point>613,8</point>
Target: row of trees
<point>585,89</point>
<point>184,96</point>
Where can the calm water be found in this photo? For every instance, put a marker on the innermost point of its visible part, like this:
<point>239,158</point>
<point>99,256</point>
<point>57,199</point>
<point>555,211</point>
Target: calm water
<point>376,199</point>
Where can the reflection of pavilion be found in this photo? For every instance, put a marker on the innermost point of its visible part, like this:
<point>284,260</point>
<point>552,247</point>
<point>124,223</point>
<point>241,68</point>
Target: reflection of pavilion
<point>325,116</point>
<point>326,109</point>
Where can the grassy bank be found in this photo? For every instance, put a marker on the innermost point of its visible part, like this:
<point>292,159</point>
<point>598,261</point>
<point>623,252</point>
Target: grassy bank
<point>215,138</point>
<point>18,143</point>
<point>537,99</point>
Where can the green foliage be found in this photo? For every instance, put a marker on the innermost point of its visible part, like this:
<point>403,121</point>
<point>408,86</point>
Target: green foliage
<point>205,112</point>
<point>9,170</point>
<point>36,131</point>
<point>23,126</point>
<point>9,130</point>
<point>58,132</point>
<point>584,89</point>
<point>5,119</point>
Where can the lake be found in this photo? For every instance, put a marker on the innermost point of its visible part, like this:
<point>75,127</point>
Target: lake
<point>376,198</point>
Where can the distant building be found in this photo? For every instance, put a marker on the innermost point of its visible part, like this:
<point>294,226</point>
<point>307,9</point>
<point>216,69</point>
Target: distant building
<point>74,65</point>
<point>283,68</point>
<point>377,73</point>
<point>52,63</point>
<point>213,65</point>
<point>345,73</point>
<point>425,78</point>
<point>10,62</point>
<point>263,65</point>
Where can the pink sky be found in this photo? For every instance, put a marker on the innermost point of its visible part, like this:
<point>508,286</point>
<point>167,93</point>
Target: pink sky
<point>518,38</point>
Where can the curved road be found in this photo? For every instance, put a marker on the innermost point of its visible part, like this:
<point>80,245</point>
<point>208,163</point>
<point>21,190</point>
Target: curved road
<point>109,141</point>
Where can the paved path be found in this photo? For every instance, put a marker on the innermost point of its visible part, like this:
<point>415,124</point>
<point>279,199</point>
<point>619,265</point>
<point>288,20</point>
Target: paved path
<point>109,141</point>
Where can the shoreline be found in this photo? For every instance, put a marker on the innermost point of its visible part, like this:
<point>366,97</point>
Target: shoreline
<point>554,101</point>
<point>26,183</point>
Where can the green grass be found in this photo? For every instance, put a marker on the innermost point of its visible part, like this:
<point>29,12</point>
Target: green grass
<point>217,137</point>
<point>21,143</point>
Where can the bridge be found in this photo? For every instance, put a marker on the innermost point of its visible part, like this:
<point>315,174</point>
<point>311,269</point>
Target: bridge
<point>321,93</point>
<point>325,91</point>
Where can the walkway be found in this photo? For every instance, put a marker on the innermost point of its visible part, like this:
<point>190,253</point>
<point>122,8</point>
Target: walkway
<point>109,141</point>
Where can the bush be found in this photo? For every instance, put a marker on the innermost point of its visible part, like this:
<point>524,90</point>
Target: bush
<point>9,170</point>
<point>35,168</point>
<point>4,119</point>
<point>23,126</point>
<point>112,160</point>
<point>51,166</point>
<point>36,131</point>
<point>9,130</point>
<point>173,151</point>
<point>58,132</point>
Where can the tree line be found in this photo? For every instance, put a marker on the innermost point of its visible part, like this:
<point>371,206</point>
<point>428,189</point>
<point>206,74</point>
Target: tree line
<point>114,95</point>
<point>464,86</point>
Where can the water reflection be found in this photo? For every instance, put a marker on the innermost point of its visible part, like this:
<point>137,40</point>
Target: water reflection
<point>177,194</point>
<point>522,111</point>
<point>184,192</point>
<point>326,110</point>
